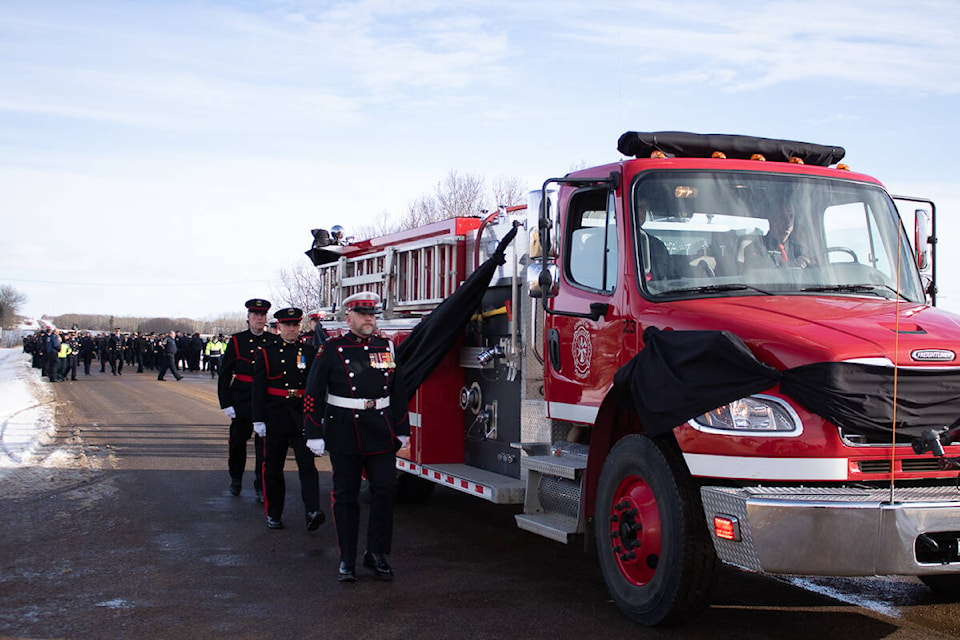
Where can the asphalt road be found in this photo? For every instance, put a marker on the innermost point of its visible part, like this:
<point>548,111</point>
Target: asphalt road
<point>127,530</point>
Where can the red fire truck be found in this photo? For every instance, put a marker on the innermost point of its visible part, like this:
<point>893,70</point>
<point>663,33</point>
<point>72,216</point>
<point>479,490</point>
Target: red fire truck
<point>718,349</point>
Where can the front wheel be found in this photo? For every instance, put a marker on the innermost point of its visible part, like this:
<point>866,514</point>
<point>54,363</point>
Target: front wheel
<point>654,550</point>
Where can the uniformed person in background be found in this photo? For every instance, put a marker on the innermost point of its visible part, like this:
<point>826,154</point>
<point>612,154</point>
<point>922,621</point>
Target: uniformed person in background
<point>316,334</point>
<point>213,350</point>
<point>115,352</point>
<point>139,347</point>
<point>103,352</point>
<point>52,359</point>
<point>279,377</point>
<point>355,407</point>
<point>73,353</point>
<point>62,355</point>
<point>235,391</point>
<point>87,349</point>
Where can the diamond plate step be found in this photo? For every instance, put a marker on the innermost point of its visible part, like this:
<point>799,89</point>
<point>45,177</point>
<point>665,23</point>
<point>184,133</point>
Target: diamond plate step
<point>549,525</point>
<point>563,466</point>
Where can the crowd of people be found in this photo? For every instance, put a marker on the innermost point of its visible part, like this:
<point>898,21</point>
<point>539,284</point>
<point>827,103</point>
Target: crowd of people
<point>60,354</point>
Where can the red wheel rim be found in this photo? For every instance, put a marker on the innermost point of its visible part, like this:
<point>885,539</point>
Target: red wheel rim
<point>635,531</point>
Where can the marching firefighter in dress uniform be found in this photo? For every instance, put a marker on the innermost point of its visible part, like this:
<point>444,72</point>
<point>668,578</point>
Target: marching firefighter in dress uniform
<point>235,391</point>
<point>356,407</point>
<point>279,377</point>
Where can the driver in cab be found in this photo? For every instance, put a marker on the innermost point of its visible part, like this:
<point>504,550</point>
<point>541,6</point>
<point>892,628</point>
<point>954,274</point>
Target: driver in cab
<point>778,247</point>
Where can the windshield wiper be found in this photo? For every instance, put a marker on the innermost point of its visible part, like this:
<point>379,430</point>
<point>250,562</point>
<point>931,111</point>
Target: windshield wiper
<point>717,288</point>
<point>858,288</point>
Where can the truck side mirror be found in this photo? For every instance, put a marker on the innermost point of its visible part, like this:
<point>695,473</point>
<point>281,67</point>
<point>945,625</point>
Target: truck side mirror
<point>921,240</point>
<point>542,283</point>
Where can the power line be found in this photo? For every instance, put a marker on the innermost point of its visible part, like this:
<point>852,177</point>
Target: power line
<point>134,284</point>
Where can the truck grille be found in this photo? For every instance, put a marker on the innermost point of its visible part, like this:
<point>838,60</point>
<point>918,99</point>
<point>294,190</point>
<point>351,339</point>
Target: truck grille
<point>910,465</point>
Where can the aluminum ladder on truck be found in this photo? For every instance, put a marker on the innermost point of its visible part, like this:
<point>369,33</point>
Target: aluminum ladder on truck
<point>411,278</point>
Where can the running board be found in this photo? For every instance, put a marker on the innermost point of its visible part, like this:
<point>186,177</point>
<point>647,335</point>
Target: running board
<point>494,487</point>
<point>549,525</point>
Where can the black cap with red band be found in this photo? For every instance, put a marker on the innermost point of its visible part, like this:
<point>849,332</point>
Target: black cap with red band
<point>257,304</point>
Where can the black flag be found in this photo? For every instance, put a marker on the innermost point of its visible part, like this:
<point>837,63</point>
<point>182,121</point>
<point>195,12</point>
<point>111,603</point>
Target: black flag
<point>432,338</point>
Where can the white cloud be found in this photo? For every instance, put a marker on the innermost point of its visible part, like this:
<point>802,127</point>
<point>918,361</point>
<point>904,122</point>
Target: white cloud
<point>890,44</point>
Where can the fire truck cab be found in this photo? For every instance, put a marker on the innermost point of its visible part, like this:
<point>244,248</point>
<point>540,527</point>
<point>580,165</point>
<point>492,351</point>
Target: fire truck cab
<point>769,241</point>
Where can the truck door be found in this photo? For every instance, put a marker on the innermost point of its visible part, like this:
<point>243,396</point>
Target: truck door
<point>584,324</point>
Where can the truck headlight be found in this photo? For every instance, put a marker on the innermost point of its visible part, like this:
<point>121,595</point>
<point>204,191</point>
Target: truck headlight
<point>762,414</point>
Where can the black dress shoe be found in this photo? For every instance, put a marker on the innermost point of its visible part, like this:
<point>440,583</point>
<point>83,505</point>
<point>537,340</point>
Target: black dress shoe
<point>274,523</point>
<point>378,562</point>
<point>234,488</point>
<point>346,573</point>
<point>315,519</point>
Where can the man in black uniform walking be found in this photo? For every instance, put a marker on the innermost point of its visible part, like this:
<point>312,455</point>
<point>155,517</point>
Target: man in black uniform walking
<point>115,352</point>
<point>169,358</point>
<point>87,349</point>
<point>102,351</point>
<point>139,349</point>
<point>235,391</point>
<point>356,406</point>
<point>279,377</point>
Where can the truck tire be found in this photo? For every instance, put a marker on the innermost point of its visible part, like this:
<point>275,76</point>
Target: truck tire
<point>411,489</point>
<point>944,584</point>
<point>654,549</point>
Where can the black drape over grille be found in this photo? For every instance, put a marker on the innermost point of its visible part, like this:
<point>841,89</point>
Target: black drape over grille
<point>679,375</point>
<point>860,398</point>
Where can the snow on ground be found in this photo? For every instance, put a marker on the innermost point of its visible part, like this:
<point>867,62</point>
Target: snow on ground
<point>34,457</point>
<point>26,409</point>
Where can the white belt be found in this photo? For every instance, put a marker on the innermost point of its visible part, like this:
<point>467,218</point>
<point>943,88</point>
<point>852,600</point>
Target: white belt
<point>358,403</point>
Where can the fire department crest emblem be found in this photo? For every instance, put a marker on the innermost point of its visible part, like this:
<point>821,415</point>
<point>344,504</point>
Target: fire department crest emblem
<point>582,349</point>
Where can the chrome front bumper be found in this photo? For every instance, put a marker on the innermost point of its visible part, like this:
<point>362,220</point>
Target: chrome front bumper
<point>840,531</point>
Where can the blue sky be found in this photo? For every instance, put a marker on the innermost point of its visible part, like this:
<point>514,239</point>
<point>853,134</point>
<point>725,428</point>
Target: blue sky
<point>168,158</point>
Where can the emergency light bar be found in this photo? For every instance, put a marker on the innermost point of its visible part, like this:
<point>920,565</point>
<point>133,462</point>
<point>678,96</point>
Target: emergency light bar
<point>711,145</point>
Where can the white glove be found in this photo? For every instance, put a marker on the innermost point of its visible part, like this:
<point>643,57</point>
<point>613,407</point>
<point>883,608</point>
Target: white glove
<point>229,412</point>
<point>260,428</point>
<point>403,440</point>
<point>317,445</point>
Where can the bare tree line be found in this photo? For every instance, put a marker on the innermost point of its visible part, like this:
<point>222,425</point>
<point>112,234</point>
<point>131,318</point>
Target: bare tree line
<point>456,195</point>
<point>12,300</point>
<point>225,324</point>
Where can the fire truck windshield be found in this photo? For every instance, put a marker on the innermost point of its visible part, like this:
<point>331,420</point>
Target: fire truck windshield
<point>731,233</point>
